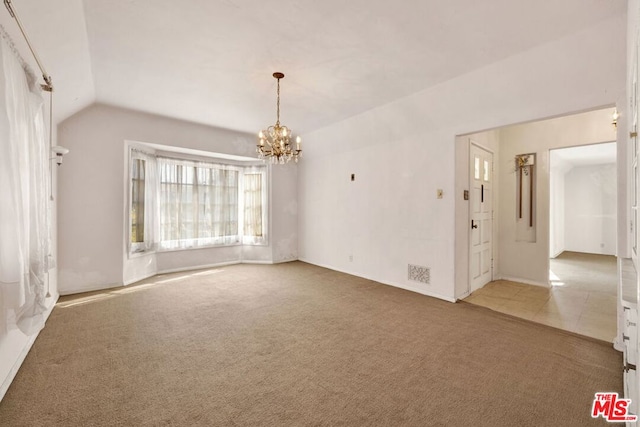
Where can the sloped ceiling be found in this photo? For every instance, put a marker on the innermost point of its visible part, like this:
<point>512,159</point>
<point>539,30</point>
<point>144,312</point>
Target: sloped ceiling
<point>58,32</point>
<point>210,61</point>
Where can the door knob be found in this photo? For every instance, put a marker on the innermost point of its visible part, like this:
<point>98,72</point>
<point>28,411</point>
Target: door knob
<point>473,224</point>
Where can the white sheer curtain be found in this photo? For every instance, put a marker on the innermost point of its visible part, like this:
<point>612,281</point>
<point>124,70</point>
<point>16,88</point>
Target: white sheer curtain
<point>24,187</point>
<point>198,204</point>
<point>255,200</point>
<point>143,201</point>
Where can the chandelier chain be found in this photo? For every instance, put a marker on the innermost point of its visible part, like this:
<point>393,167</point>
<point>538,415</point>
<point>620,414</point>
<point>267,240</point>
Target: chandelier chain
<point>278,106</point>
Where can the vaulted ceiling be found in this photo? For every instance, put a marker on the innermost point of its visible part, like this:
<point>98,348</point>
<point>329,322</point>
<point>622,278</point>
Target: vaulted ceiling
<point>210,61</point>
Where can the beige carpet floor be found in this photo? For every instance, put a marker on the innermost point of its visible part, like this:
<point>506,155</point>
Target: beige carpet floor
<point>295,344</point>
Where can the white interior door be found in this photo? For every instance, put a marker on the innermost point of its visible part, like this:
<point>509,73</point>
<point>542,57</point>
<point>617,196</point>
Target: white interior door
<point>481,214</point>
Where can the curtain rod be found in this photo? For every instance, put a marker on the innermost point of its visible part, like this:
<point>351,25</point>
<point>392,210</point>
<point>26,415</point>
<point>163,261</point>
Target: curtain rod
<point>47,78</point>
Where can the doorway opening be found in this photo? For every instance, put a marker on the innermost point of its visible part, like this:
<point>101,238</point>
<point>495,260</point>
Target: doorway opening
<point>530,260</point>
<point>583,231</point>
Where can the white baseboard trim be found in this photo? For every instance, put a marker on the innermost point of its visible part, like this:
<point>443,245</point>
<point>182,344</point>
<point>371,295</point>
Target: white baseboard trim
<point>137,279</point>
<point>219,264</point>
<point>283,261</point>
<point>463,295</point>
<point>557,254</point>
<point>89,289</point>
<point>395,285</point>
<point>197,267</point>
<point>617,344</point>
<point>23,354</point>
<point>525,281</point>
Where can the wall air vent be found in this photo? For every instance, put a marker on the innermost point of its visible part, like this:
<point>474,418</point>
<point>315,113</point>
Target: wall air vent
<point>420,274</point>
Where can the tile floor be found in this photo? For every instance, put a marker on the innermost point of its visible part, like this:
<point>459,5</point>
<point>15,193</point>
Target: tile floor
<point>582,297</point>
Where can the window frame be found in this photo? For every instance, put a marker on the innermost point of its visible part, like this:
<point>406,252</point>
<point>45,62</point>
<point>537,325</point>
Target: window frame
<point>146,246</point>
<point>152,228</point>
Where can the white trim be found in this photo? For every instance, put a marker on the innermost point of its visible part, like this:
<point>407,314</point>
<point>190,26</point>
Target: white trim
<point>196,267</point>
<point>220,264</point>
<point>282,261</point>
<point>23,354</point>
<point>463,295</point>
<point>198,153</point>
<point>89,288</point>
<point>482,147</point>
<point>525,281</point>
<point>160,250</point>
<point>553,256</point>
<point>395,285</point>
<point>259,262</point>
<point>137,279</point>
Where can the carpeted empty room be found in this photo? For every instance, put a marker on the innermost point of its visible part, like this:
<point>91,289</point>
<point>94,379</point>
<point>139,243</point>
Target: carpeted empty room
<point>297,344</point>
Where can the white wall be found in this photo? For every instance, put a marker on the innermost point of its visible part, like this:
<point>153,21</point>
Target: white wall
<point>528,261</point>
<point>92,202</point>
<point>591,209</point>
<point>557,204</point>
<point>404,151</point>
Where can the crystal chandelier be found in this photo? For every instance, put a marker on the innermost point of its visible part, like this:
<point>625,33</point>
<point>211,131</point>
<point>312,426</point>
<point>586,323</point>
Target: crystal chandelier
<point>275,141</point>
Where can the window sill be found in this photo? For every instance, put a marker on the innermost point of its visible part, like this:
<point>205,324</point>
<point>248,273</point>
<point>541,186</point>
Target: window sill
<point>196,248</point>
<point>160,250</point>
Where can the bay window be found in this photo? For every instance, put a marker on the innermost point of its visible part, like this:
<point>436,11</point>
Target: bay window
<point>194,203</point>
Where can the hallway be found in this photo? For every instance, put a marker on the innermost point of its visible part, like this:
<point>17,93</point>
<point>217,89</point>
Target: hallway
<point>582,296</point>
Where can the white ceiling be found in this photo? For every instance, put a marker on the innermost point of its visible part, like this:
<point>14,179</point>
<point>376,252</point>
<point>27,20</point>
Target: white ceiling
<point>210,61</point>
<point>58,32</point>
<point>587,155</point>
